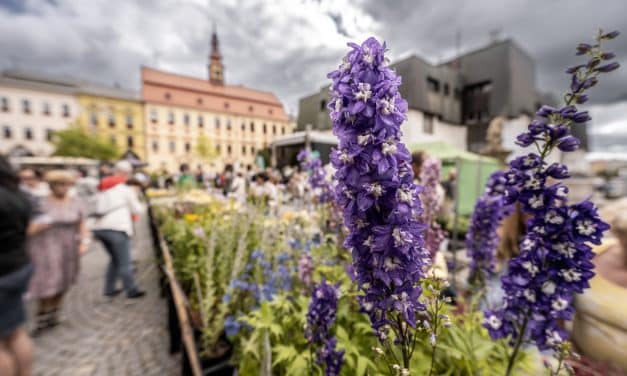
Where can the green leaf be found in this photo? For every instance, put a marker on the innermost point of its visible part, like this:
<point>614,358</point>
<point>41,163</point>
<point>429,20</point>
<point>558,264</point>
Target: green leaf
<point>283,353</point>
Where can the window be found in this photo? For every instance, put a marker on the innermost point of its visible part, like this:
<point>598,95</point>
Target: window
<point>93,119</point>
<point>28,133</point>
<point>112,140</point>
<point>250,109</point>
<point>252,126</point>
<point>226,104</point>
<point>201,121</point>
<point>172,147</point>
<point>111,119</point>
<point>283,129</point>
<point>65,110</point>
<point>456,93</point>
<point>252,150</point>
<point>49,134</point>
<point>26,106</point>
<point>433,85</point>
<point>217,123</point>
<point>199,101</point>
<point>445,90</point>
<point>264,128</point>
<point>46,108</point>
<point>427,125</point>
<point>273,129</point>
<point>270,111</point>
<point>171,117</point>
<point>186,119</point>
<point>167,96</point>
<point>188,147</point>
<point>243,127</point>
<point>129,121</point>
<point>228,149</point>
<point>6,132</point>
<point>323,105</point>
<point>4,103</point>
<point>243,149</point>
<point>153,115</point>
<point>129,142</point>
<point>228,124</point>
<point>155,146</point>
<point>218,148</point>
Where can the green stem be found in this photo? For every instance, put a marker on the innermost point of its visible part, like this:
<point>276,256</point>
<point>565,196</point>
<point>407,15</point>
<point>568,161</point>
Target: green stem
<point>512,358</point>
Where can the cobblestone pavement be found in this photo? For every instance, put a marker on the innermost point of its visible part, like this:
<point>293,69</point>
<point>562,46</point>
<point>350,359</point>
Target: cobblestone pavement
<point>102,336</point>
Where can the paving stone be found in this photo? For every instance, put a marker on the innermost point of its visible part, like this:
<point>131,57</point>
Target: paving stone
<point>102,336</point>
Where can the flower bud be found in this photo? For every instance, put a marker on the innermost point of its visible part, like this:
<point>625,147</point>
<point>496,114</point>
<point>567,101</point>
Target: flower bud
<point>568,143</point>
<point>583,48</point>
<point>608,67</point>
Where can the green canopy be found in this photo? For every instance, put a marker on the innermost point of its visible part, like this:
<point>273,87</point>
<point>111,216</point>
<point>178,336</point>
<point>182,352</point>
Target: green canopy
<point>473,170</point>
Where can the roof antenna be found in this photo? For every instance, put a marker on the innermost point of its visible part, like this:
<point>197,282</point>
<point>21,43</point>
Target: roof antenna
<point>495,34</point>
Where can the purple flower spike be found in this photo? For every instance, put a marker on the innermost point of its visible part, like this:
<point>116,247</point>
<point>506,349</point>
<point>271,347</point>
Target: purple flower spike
<point>317,176</point>
<point>375,186</point>
<point>320,320</point>
<point>555,260</point>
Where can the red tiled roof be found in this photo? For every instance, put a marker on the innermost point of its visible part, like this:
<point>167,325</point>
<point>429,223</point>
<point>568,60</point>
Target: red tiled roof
<point>179,90</point>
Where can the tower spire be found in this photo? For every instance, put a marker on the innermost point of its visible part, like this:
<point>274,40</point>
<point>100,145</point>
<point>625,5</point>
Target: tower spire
<point>216,69</point>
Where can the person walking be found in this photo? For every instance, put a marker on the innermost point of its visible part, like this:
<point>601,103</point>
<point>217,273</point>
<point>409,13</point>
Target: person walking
<point>16,347</point>
<point>56,250</point>
<point>116,204</point>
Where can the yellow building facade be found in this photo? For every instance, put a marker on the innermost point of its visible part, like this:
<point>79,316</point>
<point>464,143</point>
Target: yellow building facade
<point>115,115</point>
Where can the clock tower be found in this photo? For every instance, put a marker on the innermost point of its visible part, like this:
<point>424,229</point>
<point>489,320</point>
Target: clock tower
<point>216,69</point>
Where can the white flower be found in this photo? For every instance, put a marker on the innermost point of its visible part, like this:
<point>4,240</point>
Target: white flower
<point>375,189</point>
<point>530,267</point>
<point>399,236</point>
<point>532,183</point>
<point>364,139</point>
<point>559,304</point>
<point>553,338</point>
<point>494,322</point>
<point>561,191</point>
<point>570,275</point>
<point>586,227</point>
<point>565,249</point>
<point>338,104</point>
<point>432,339</point>
<point>528,244</point>
<point>536,201</point>
<point>389,147</point>
<point>548,288</point>
<point>404,195</point>
<point>368,306</point>
<point>529,295</point>
<point>528,161</point>
<point>387,106</point>
<point>554,218</point>
<point>364,93</point>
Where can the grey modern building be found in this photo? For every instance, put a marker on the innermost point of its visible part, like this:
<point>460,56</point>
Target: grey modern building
<point>467,92</point>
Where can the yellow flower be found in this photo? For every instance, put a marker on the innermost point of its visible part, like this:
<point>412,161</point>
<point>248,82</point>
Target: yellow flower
<point>191,217</point>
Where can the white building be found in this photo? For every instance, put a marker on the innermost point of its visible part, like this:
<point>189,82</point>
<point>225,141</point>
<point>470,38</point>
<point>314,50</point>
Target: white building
<point>32,107</point>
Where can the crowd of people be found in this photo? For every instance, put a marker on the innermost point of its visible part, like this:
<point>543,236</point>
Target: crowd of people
<point>47,222</point>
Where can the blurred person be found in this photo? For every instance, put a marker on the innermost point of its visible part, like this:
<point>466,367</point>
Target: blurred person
<point>238,188</point>
<point>16,347</point>
<point>55,251</point>
<point>86,185</point>
<point>226,179</point>
<point>105,169</point>
<point>113,226</point>
<point>31,182</point>
<point>186,179</point>
<point>200,176</point>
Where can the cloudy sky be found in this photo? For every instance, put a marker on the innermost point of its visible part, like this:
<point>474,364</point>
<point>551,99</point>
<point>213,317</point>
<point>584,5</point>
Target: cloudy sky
<point>287,46</point>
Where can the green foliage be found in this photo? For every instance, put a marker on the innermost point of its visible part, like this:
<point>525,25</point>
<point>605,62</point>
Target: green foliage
<point>75,142</point>
<point>205,149</point>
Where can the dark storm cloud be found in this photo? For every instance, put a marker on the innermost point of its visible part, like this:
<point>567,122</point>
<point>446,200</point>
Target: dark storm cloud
<point>548,30</point>
<point>288,46</point>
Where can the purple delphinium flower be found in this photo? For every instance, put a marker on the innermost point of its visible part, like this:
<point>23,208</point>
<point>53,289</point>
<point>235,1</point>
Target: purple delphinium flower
<point>320,320</point>
<point>375,187</point>
<point>482,238</point>
<point>317,176</point>
<point>430,180</point>
<point>555,253</point>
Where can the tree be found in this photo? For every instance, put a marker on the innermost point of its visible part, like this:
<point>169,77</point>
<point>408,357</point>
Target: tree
<point>75,142</point>
<point>205,150</point>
